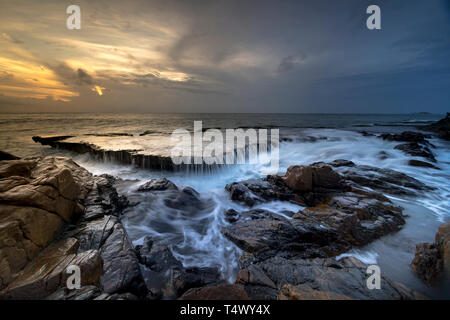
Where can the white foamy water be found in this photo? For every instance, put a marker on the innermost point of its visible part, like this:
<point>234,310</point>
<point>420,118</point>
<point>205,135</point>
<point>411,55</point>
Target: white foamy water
<point>208,247</point>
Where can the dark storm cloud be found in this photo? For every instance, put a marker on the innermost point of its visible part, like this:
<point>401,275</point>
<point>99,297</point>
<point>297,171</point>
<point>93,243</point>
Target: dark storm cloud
<point>254,56</point>
<point>72,76</point>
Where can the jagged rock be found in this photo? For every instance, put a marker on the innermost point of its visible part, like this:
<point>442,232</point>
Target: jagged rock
<point>416,143</point>
<point>432,260</point>
<point>231,215</point>
<point>299,178</point>
<point>441,127</point>
<point>382,179</point>
<point>417,150</point>
<point>84,293</point>
<point>131,157</point>
<point>341,214</point>
<point>36,225</point>
<point>48,140</point>
<point>121,272</point>
<point>324,177</point>
<point>255,191</point>
<point>427,262</point>
<point>51,186</point>
<point>187,200</point>
<point>406,136</point>
<point>220,292</point>
<point>165,276</point>
<point>348,219</point>
<point>344,278</point>
<point>256,283</point>
<point>37,196</point>
<point>341,163</point>
<point>117,296</point>
<point>93,234</point>
<point>418,163</point>
<point>7,156</point>
<point>157,185</point>
<point>305,292</point>
<point>47,272</point>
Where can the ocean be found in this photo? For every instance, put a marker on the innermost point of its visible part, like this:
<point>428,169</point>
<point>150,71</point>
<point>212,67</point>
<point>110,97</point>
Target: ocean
<point>304,139</point>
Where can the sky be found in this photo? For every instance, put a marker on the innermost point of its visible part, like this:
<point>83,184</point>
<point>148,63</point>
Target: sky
<point>225,56</point>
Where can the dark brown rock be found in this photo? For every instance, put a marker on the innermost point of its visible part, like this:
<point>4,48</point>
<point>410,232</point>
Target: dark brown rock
<point>418,163</point>
<point>47,272</point>
<point>441,127</point>
<point>305,292</point>
<point>220,292</point>
<point>417,150</point>
<point>344,278</point>
<point>432,260</point>
<point>37,196</point>
<point>121,272</point>
<point>165,276</point>
<point>157,185</point>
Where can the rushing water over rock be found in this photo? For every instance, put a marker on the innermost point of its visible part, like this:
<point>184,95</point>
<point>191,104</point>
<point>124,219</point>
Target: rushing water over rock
<point>193,220</point>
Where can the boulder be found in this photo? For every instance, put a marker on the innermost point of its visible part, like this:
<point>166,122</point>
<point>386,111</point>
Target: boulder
<point>299,178</point>
<point>432,260</point>
<point>51,185</point>
<point>37,195</point>
<point>305,178</point>
<point>157,185</point>
<point>441,127</point>
<point>254,191</point>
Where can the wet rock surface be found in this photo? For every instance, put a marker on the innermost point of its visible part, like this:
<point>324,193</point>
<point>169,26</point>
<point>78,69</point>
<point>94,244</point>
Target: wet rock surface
<point>157,185</point>
<point>323,279</point>
<point>343,218</point>
<point>131,157</point>
<point>441,127</point>
<point>432,260</point>
<point>423,164</point>
<point>415,144</point>
<point>382,180</point>
<point>291,256</point>
<point>165,276</point>
<point>58,214</point>
<point>54,214</point>
<point>220,292</point>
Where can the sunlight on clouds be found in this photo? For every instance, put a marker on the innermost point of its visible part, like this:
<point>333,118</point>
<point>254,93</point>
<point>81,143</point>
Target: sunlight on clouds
<point>98,89</point>
<point>30,79</point>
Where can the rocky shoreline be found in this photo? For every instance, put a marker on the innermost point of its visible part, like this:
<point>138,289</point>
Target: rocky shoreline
<point>54,214</point>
